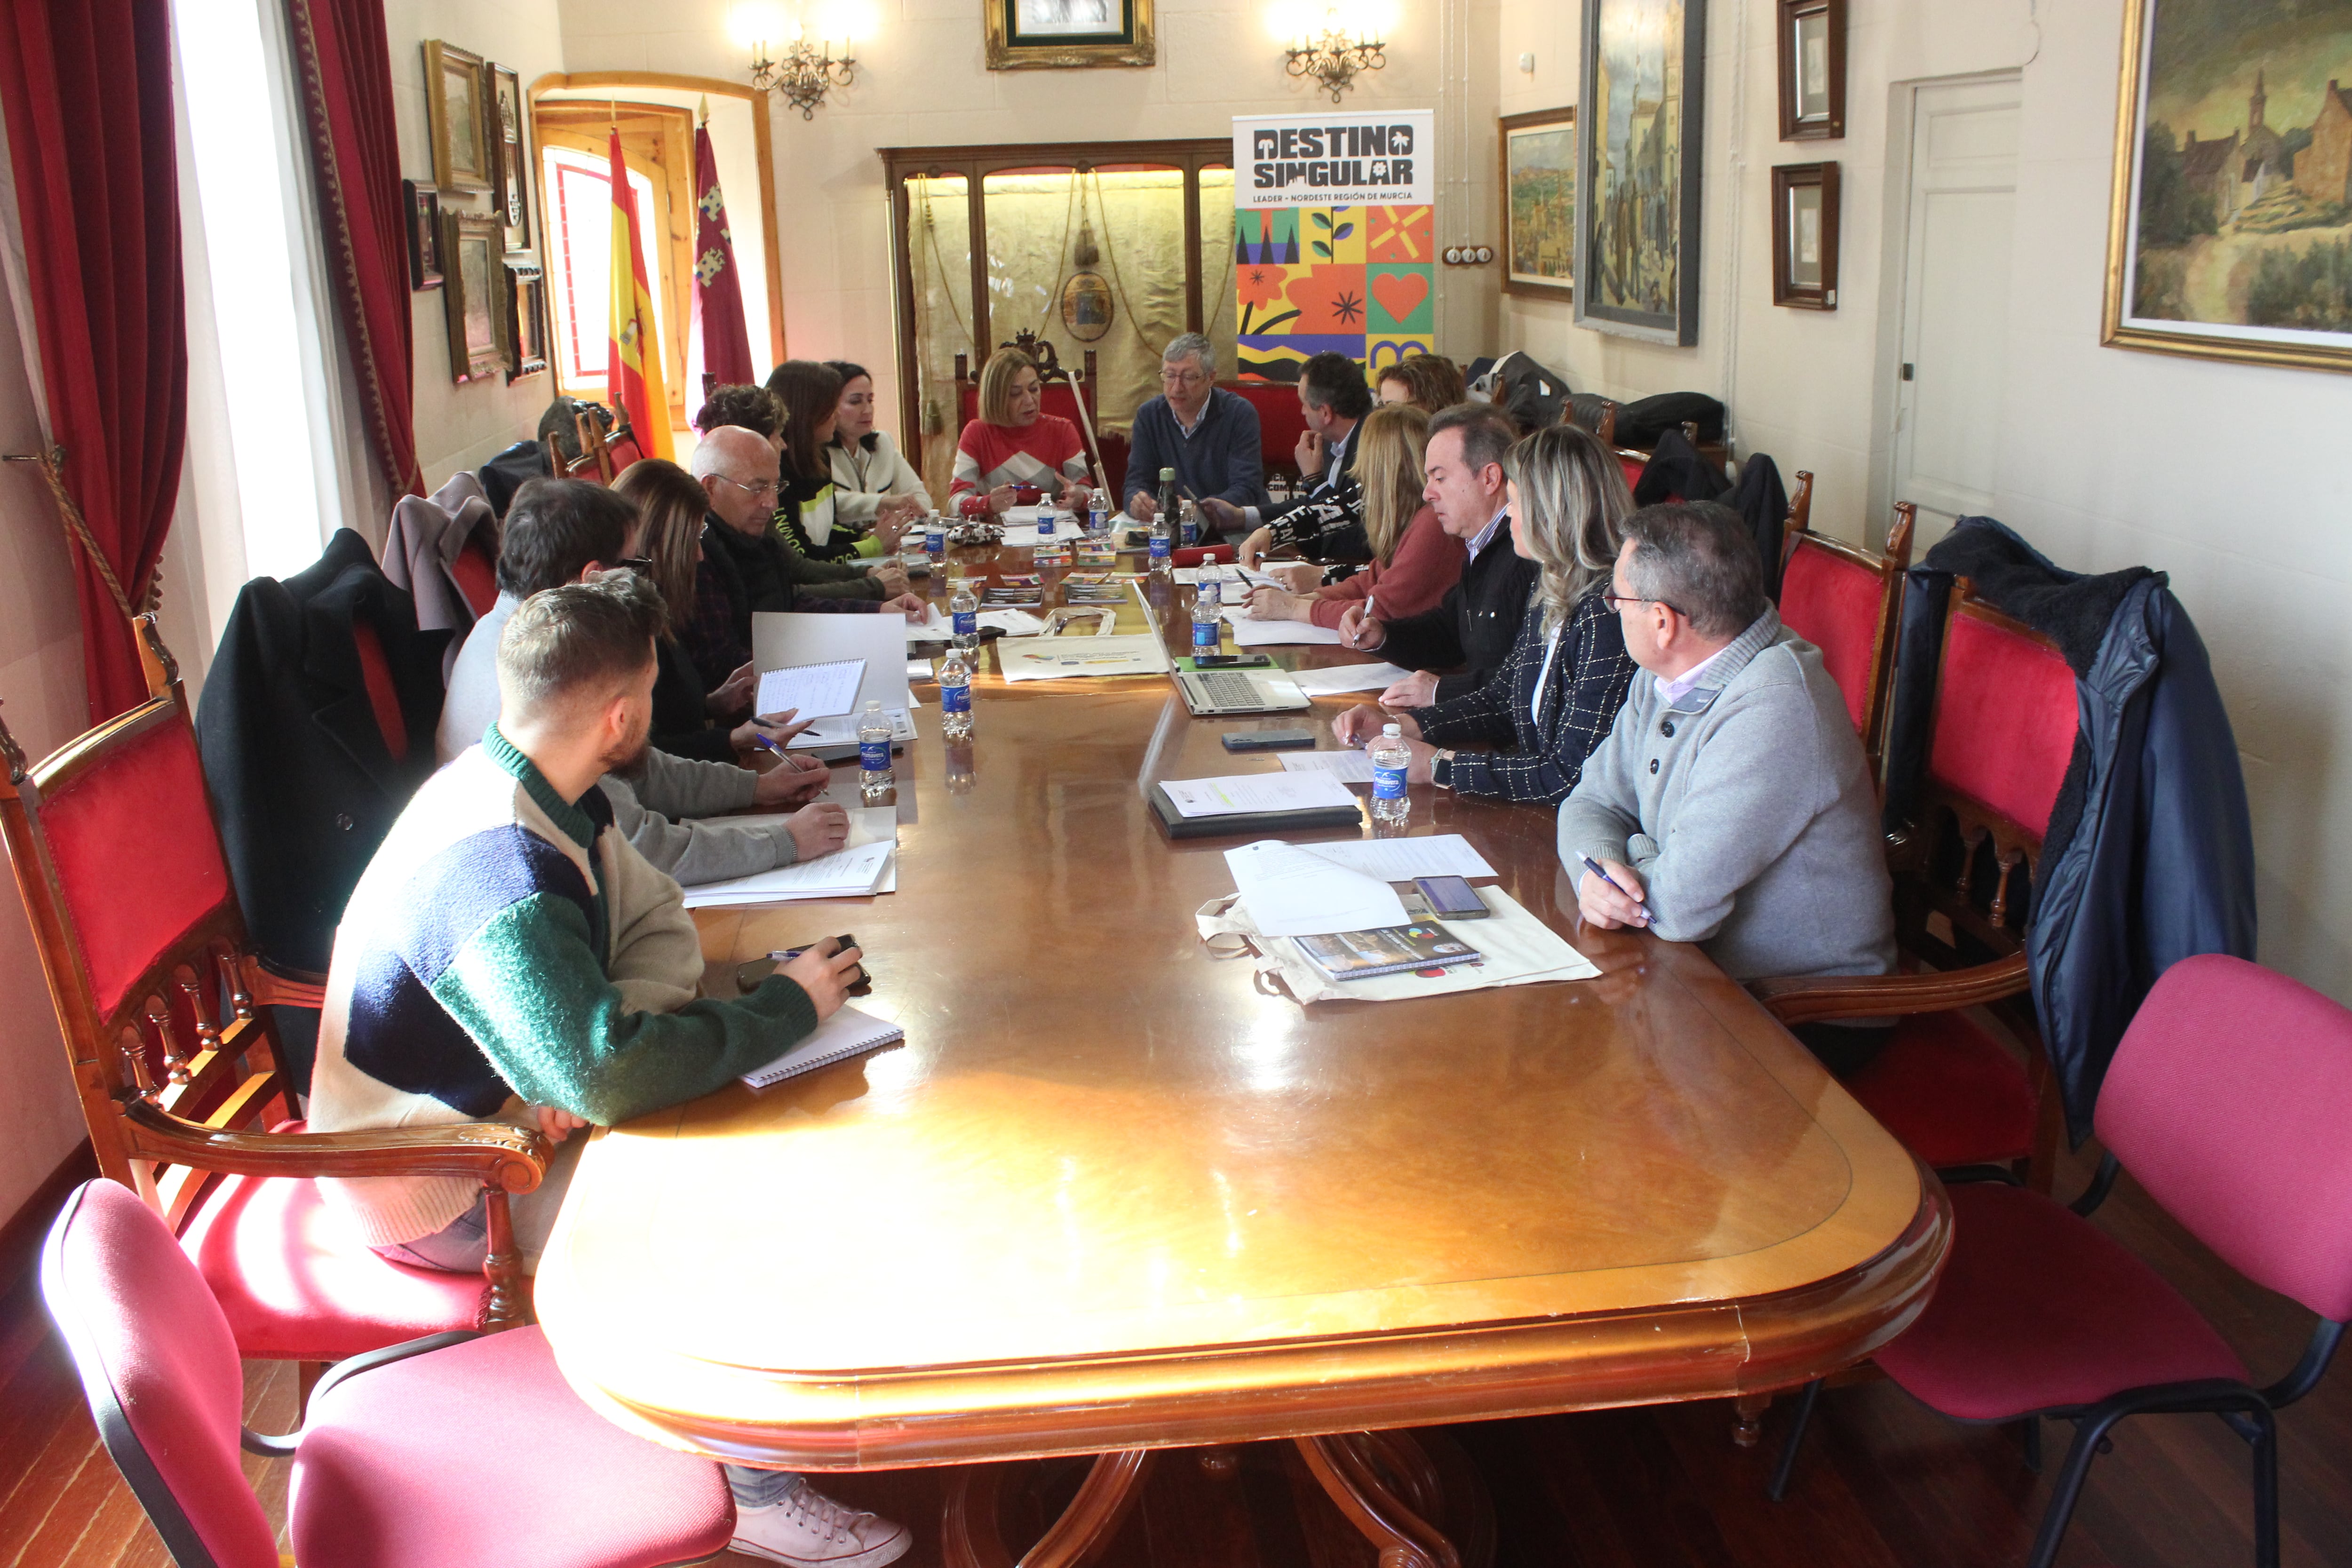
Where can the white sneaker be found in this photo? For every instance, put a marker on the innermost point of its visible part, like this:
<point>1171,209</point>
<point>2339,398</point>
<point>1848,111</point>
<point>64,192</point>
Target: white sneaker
<point>810,1530</point>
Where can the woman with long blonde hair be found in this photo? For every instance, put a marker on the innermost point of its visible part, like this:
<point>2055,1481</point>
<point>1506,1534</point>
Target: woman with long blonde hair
<point>1414,561</point>
<point>1557,695</point>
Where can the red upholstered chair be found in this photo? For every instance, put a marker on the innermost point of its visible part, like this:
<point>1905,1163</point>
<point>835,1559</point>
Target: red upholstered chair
<point>476,571</point>
<point>2002,733</point>
<point>167,1029</point>
<point>1845,602</point>
<point>451,1451</point>
<point>2228,1099</point>
<point>1280,421</point>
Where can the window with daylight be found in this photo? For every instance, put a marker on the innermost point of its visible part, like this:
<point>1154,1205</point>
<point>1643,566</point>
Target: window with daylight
<point>579,189</point>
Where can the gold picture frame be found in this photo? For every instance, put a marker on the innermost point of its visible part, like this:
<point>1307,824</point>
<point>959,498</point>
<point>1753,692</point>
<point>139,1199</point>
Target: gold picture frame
<point>1539,153</point>
<point>1024,35</point>
<point>2204,210</point>
<point>473,266</point>
<point>456,87</point>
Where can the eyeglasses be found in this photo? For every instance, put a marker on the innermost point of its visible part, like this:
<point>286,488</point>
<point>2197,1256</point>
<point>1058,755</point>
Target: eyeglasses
<point>1617,600</point>
<point>765,487</point>
<point>1181,378</point>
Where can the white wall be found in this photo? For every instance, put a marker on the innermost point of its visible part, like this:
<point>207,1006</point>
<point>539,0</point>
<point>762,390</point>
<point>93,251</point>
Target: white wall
<point>2230,478</point>
<point>459,426</point>
<point>922,82</point>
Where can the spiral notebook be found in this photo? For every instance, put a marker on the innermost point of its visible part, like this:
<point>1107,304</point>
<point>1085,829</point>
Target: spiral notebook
<point>848,1033</point>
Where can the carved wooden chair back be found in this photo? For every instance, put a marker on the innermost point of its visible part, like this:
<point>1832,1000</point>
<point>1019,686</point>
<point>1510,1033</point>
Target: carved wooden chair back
<point>126,885</point>
<point>1848,603</point>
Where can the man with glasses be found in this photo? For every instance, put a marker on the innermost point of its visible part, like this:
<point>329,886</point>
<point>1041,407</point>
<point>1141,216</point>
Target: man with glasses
<point>1208,436</point>
<point>744,566</point>
<point>1730,805</point>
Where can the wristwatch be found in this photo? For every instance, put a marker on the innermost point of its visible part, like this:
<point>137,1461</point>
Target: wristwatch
<point>1441,769</point>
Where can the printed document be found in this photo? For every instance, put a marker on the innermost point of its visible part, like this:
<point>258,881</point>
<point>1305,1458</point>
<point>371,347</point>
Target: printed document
<point>842,730</point>
<point>811,691</point>
<point>1349,767</point>
<point>1060,658</point>
<point>1238,792</point>
<point>1403,859</point>
<point>1348,678</point>
<point>1292,891</point>
<point>844,874</point>
<point>1248,633</point>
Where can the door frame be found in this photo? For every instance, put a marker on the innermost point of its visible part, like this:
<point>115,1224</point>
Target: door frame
<point>1894,269</point>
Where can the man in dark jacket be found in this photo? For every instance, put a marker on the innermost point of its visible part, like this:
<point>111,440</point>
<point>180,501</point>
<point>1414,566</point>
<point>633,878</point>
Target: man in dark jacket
<point>1472,630</point>
<point>1208,436</point>
<point>1326,523</point>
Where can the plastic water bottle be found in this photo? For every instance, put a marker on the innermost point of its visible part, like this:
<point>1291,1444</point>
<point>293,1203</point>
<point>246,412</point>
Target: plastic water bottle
<point>873,779</point>
<point>964,613</point>
<point>935,537</point>
<point>1390,757</point>
<point>1097,518</point>
<point>1191,525</point>
<point>955,697</point>
<point>1209,588</point>
<point>1208,624</point>
<point>1162,546</point>
<point>1047,509</point>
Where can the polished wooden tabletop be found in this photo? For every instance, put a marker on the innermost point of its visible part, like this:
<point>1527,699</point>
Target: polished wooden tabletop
<point>1114,1192</point>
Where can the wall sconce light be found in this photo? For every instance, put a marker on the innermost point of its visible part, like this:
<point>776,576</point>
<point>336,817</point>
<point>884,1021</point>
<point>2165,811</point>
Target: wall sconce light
<point>1334,55</point>
<point>808,71</point>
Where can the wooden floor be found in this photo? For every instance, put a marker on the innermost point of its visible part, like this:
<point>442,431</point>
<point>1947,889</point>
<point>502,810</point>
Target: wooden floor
<point>1883,1484</point>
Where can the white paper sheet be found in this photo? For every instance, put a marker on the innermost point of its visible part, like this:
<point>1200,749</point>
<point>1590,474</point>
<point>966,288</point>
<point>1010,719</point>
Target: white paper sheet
<point>1337,678</point>
<point>845,874</point>
<point>811,691</point>
<point>843,730</point>
<point>1291,891</point>
<point>919,669</point>
<point>1248,633</point>
<point>867,824</point>
<point>1403,859</point>
<point>1349,767</point>
<point>1234,793</point>
<point>1061,658</point>
<point>933,628</point>
<point>1012,623</point>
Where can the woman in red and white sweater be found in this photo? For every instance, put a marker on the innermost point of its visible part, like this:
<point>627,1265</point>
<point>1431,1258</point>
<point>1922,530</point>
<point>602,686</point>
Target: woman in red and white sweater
<point>1015,442</point>
<point>1414,561</point>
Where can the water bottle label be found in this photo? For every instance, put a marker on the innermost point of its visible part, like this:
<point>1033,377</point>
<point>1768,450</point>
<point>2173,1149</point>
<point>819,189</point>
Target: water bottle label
<point>1388,784</point>
<point>1160,547</point>
<point>935,541</point>
<point>1044,523</point>
<point>967,623</point>
<point>874,756</point>
<point>1191,534</point>
<point>955,699</point>
<point>1205,634</point>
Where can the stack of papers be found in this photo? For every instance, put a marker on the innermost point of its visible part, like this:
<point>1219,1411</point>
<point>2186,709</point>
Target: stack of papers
<point>1237,793</point>
<point>1252,632</point>
<point>1349,767</point>
<point>1012,623</point>
<point>1336,677</point>
<point>1061,658</point>
<point>932,627</point>
<point>1291,891</point>
<point>811,691</point>
<point>843,730</point>
<point>865,864</point>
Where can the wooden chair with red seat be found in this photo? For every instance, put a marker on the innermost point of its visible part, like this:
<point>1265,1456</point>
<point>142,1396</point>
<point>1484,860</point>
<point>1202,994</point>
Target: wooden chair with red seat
<point>2002,734</point>
<point>1846,602</point>
<point>1065,393</point>
<point>452,1451</point>
<point>176,1061</point>
<point>2228,1098</point>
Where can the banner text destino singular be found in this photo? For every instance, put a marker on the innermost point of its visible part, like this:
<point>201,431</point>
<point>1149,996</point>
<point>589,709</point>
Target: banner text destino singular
<point>1331,156</point>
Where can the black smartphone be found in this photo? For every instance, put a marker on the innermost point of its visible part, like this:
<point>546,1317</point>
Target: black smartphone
<point>1267,741</point>
<point>1452,898</point>
<point>1231,661</point>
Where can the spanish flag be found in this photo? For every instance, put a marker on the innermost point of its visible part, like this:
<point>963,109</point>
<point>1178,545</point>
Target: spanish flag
<point>633,360</point>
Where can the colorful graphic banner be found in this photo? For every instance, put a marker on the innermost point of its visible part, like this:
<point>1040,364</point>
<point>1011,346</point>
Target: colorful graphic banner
<point>1333,240</point>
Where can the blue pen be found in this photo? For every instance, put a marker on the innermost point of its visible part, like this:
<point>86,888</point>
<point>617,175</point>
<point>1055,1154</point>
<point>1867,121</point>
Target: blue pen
<point>1594,867</point>
<point>760,736</point>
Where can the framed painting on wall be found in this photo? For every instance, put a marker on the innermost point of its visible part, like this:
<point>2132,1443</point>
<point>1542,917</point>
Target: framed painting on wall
<point>1805,236</point>
<point>423,205</point>
<point>1027,33</point>
<point>510,189</point>
<point>463,157</point>
<point>2230,215</point>
<point>1637,184</point>
<point>525,338</point>
<point>1540,203</point>
<point>472,263</point>
<point>1812,69</point>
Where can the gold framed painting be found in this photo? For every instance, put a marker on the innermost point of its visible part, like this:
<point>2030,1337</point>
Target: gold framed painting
<point>474,267</point>
<point>1540,203</point>
<point>1023,34</point>
<point>2230,215</point>
<point>464,158</point>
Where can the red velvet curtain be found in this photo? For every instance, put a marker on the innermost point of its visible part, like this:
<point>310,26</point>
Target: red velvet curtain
<point>344,63</point>
<point>86,88</point>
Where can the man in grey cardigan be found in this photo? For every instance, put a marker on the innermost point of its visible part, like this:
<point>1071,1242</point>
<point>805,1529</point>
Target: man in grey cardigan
<point>1730,803</point>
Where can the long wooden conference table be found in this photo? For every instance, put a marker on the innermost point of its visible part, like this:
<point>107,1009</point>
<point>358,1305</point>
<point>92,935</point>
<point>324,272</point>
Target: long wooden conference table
<point>1115,1195</point>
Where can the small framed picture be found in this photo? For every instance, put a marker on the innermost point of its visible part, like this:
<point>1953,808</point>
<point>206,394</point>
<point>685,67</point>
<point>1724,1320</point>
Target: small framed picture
<point>1069,33</point>
<point>473,266</point>
<point>1805,236</point>
<point>1812,69</point>
<point>510,191</point>
<point>456,91</point>
<point>526,322</point>
<point>423,205</point>
<point>1540,203</point>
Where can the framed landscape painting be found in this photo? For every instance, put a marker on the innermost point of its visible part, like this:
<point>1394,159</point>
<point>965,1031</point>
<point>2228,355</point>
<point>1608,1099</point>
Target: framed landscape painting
<point>1637,169</point>
<point>1540,203</point>
<point>2230,229</point>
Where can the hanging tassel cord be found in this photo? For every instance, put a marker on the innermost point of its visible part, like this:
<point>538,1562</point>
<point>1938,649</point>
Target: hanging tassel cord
<point>52,464</point>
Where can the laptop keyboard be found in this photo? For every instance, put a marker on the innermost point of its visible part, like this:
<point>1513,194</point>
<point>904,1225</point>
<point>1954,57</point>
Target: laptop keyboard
<point>1230,688</point>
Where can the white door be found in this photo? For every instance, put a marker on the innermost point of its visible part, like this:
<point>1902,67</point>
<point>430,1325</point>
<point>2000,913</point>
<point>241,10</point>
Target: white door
<point>1961,209</point>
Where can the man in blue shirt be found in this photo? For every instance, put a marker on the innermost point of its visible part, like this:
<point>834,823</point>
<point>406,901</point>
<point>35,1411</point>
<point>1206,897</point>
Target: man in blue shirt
<point>1208,436</point>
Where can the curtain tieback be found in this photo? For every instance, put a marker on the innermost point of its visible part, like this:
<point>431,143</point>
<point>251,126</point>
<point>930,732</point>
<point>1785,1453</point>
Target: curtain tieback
<point>52,465</point>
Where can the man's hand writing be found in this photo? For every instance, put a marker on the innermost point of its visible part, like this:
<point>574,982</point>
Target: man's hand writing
<point>790,781</point>
<point>1604,906</point>
<point>1358,632</point>
<point>819,829</point>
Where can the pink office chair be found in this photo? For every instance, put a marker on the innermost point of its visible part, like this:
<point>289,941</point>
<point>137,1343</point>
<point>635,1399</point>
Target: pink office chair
<point>451,1451</point>
<point>2228,1097</point>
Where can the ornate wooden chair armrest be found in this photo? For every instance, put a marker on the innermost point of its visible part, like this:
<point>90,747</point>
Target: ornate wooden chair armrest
<point>1814,999</point>
<point>499,1154</point>
<point>270,987</point>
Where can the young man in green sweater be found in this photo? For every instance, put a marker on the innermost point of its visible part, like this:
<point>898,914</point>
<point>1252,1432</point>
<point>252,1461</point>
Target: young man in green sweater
<point>508,956</point>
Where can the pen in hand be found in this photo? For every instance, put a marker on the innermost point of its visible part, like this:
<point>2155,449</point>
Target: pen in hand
<point>1643,916</point>
<point>1358,639</point>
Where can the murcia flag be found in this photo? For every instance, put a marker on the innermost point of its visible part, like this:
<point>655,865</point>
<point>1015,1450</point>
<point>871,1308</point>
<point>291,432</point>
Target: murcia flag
<point>633,359</point>
<point>718,286</point>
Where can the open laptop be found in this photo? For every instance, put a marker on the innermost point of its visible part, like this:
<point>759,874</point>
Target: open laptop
<point>1219,691</point>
